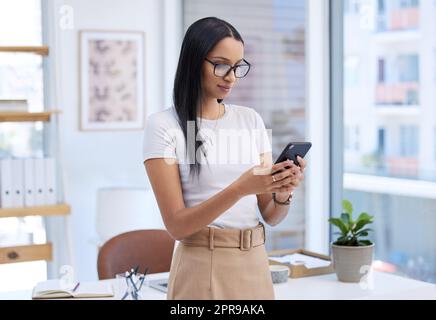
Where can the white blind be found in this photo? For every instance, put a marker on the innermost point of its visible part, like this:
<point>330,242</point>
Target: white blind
<point>274,36</point>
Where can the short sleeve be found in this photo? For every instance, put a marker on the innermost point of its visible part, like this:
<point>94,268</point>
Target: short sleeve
<point>263,136</point>
<point>158,141</point>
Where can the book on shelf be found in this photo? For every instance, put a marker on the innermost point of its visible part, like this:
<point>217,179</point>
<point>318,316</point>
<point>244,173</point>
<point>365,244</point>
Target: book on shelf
<point>27,182</point>
<point>16,105</point>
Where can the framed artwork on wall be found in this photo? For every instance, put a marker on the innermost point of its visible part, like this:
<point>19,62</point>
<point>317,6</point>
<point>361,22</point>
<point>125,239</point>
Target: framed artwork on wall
<point>111,80</point>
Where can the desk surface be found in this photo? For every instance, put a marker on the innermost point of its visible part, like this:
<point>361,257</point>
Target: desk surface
<point>385,286</point>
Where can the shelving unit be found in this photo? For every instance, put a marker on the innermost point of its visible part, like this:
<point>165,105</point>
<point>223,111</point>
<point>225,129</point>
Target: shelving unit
<point>40,50</point>
<point>19,116</point>
<point>31,252</point>
<point>55,210</point>
<point>26,253</point>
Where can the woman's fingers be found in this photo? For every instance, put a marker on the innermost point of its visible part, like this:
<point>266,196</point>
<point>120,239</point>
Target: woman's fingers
<point>287,188</point>
<point>292,171</point>
<point>288,179</point>
<point>281,166</point>
<point>302,163</point>
<point>285,182</point>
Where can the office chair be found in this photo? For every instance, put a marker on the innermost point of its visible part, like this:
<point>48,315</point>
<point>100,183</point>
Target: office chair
<point>152,249</point>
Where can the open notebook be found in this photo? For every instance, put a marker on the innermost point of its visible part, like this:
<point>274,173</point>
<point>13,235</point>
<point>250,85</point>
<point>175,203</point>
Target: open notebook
<point>51,289</point>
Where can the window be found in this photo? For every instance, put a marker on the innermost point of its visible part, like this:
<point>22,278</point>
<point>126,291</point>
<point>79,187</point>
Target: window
<point>382,176</point>
<point>381,6</point>
<point>352,71</point>
<point>434,144</point>
<point>397,15</point>
<point>398,79</point>
<point>20,22</point>
<point>409,140</point>
<point>352,7</point>
<point>434,65</point>
<point>347,143</point>
<point>381,70</point>
<point>409,3</point>
<point>356,138</point>
<point>408,68</point>
<point>274,36</point>
<point>381,141</point>
<point>352,138</point>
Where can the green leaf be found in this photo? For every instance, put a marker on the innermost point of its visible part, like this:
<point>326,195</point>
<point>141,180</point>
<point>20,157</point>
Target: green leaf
<point>360,225</point>
<point>363,220</point>
<point>363,233</point>
<point>338,223</point>
<point>345,217</point>
<point>364,216</point>
<point>348,207</point>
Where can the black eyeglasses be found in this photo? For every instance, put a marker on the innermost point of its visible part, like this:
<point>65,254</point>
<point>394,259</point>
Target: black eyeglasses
<point>222,69</point>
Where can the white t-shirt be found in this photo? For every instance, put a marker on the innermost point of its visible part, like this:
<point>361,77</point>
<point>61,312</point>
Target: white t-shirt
<point>233,145</point>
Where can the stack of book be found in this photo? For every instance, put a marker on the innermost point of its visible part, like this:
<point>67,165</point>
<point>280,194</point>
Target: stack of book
<point>27,182</point>
<point>17,105</point>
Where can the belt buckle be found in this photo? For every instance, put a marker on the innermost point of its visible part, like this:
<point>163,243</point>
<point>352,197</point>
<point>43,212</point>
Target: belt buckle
<point>242,240</point>
<point>263,231</point>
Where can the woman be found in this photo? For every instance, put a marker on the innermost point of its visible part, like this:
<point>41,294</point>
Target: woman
<point>209,204</point>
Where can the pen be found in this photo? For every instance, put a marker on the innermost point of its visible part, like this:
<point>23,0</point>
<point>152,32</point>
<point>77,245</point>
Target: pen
<point>77,285</point>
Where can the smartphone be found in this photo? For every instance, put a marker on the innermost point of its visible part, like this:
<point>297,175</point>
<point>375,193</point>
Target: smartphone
<point>292,150</point>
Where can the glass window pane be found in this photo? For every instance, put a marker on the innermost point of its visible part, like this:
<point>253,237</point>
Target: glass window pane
<point>21,77</point>
<point>20,23</point>
<point>394,108</point>
<point>12,275</point>
<point>21,140</point>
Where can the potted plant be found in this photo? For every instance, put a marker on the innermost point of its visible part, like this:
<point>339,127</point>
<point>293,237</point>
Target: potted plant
<point>350,251</point>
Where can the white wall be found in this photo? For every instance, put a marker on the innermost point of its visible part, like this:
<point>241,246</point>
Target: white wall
<point>93,160</point>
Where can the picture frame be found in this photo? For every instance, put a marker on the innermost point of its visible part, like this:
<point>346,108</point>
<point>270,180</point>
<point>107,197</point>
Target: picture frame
<point>112,88</point>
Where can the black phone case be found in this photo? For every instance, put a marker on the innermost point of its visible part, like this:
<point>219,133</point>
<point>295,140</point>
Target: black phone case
<point>292,150</point>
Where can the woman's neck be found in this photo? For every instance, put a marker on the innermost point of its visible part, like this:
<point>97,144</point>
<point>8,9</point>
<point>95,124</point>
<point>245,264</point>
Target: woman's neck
<point>211,109</point>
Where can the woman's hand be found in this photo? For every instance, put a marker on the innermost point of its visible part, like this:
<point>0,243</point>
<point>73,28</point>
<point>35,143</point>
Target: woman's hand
<point>259,179</point>
<point>296,177</point>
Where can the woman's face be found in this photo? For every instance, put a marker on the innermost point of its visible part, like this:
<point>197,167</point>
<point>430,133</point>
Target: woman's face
<point>227,51</point>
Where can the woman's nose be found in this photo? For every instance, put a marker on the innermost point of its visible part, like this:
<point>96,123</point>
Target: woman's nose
<point>230,77</point>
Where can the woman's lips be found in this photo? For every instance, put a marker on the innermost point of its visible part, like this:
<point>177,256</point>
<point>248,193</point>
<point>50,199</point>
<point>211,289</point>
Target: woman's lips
<point>225,88</point>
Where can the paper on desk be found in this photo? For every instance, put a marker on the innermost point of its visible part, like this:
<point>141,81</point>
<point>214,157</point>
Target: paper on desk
<point>301,259</point>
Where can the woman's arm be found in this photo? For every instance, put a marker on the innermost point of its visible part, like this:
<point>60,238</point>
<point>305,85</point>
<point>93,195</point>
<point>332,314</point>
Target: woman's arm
<point>271,212</point>
<point>179,220</point>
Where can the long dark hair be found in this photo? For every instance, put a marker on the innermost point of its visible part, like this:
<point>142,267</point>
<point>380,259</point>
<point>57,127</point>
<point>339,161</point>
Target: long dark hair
<point>199,40</point>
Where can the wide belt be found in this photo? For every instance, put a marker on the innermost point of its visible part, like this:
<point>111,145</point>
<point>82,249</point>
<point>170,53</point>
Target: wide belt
<point>211,237</point>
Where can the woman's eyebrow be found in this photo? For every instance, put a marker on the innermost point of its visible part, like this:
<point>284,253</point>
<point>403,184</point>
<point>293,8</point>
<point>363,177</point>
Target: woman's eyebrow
<point>226,59</point>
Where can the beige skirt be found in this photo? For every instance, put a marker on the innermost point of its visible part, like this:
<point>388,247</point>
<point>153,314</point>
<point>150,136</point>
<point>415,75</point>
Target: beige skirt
<point>221,264</point>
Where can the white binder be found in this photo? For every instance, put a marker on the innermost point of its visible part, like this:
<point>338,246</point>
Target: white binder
<point>29,183</point>
<point>50,181</point>
<point>17,183</point>
<point>5,183</point>
<point>39,174</point>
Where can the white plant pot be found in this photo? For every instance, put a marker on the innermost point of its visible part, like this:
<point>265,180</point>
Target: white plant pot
<point>351,263</point>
